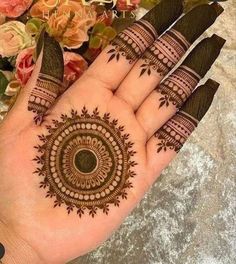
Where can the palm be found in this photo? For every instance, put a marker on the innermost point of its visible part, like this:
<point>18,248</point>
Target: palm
<point>37,218</point>
<point>95,153</point>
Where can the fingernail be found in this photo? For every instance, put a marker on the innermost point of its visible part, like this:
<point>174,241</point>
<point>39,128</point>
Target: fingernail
<point>52,63</point>
<point>201,99</point>
<point>218,40</point>
<point>164,14</point>
<point>218,8</point>
<point>204,54</point>
<point>196,21</point>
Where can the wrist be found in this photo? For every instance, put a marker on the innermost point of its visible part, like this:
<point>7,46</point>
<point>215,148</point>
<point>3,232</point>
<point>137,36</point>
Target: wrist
<point>17,251</point>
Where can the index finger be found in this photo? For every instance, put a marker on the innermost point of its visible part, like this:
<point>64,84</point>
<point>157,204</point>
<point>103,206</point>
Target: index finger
<point>116,60</point>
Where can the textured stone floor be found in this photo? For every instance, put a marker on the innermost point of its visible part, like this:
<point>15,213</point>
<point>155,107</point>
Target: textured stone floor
<point>188,217</point>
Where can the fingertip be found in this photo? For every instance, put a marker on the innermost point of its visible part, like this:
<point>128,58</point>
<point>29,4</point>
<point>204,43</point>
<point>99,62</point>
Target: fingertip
<point>204,55</point>
<point>200,18</point>
<point>218,8</point>
<point>201,99</point>
<point>164,14</point>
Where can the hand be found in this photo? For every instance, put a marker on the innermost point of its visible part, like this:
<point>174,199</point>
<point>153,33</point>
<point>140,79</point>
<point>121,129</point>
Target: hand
<point>73,165</point>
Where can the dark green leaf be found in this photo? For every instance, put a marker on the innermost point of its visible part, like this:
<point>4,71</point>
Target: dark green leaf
<point>3,83</point>
<point>5,65</point>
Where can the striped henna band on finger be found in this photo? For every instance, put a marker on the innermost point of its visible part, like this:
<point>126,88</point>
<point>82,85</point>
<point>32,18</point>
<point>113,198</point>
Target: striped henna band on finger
<point>177,130</point>
<point>179,85</point>
<point>166,51</point>
<point>133,41</point>
<point>49,83</point>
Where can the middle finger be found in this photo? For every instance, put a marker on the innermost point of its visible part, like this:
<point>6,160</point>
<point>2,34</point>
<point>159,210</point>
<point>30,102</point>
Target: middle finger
<point>165,53</point>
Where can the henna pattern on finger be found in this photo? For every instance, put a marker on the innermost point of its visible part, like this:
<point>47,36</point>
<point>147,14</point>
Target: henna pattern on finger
<point>132,42</point>
<point>86,162</point>
<point>178,87</point>
<point>43,95</point>
<point>165,52</point>
<point>49,83</point>
<point>163,55</point>
<point>176,131</point>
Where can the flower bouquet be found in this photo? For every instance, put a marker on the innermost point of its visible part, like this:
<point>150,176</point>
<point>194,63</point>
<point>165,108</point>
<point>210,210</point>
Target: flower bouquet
<point>83,29</point>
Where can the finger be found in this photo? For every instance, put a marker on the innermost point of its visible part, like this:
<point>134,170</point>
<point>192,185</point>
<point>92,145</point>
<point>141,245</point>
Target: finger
<point>45,83</point>
<point>165,53</point>
<point>171,94</point>
<point>170,138</point>
<point>117,59</point>
<point>49,81</point>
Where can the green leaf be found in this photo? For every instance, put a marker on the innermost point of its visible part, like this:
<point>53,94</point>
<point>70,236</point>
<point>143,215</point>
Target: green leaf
<point>109,32</point>
<point>3,83</point>
<point>98,28</point>
<point>95,42</point>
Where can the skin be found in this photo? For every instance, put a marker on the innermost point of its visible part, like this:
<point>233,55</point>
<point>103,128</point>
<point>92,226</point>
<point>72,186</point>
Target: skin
<point>31,229</point>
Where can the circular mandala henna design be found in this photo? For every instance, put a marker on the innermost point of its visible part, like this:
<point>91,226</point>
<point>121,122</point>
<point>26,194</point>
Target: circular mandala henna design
<point>85,161</point>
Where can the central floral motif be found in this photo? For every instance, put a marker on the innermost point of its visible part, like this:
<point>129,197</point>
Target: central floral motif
<point>86,162</point>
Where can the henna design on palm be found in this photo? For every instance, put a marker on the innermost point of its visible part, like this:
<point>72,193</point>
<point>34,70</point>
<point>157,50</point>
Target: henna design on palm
<point>85,162</point>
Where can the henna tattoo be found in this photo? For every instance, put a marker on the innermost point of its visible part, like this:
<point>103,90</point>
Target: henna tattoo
<point>175,132</point>
<point>132,42</point>
<point>178,87</point>
<point>43,95</point>
<point>164,54</point>
<point>86,162</point>
<point>49,83</point>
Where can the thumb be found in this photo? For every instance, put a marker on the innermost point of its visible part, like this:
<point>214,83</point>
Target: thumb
<point>44,86</point>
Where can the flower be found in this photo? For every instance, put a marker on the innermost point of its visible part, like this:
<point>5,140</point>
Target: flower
<point>68,20</point>
<point>75,65</point>
<point>24,65</point>
<point>71,22</point>
<point>42,8</point>
<point>14,8</point>
<point>13,38</point>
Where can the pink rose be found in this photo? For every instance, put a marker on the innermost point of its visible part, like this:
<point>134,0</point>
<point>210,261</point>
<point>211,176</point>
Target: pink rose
<point>24,65</point>
<point>75,65</point>
<point>14,8</point>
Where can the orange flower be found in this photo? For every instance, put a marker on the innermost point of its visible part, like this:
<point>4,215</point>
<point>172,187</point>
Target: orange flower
<point>68,21</point>
<point>42,8</point>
